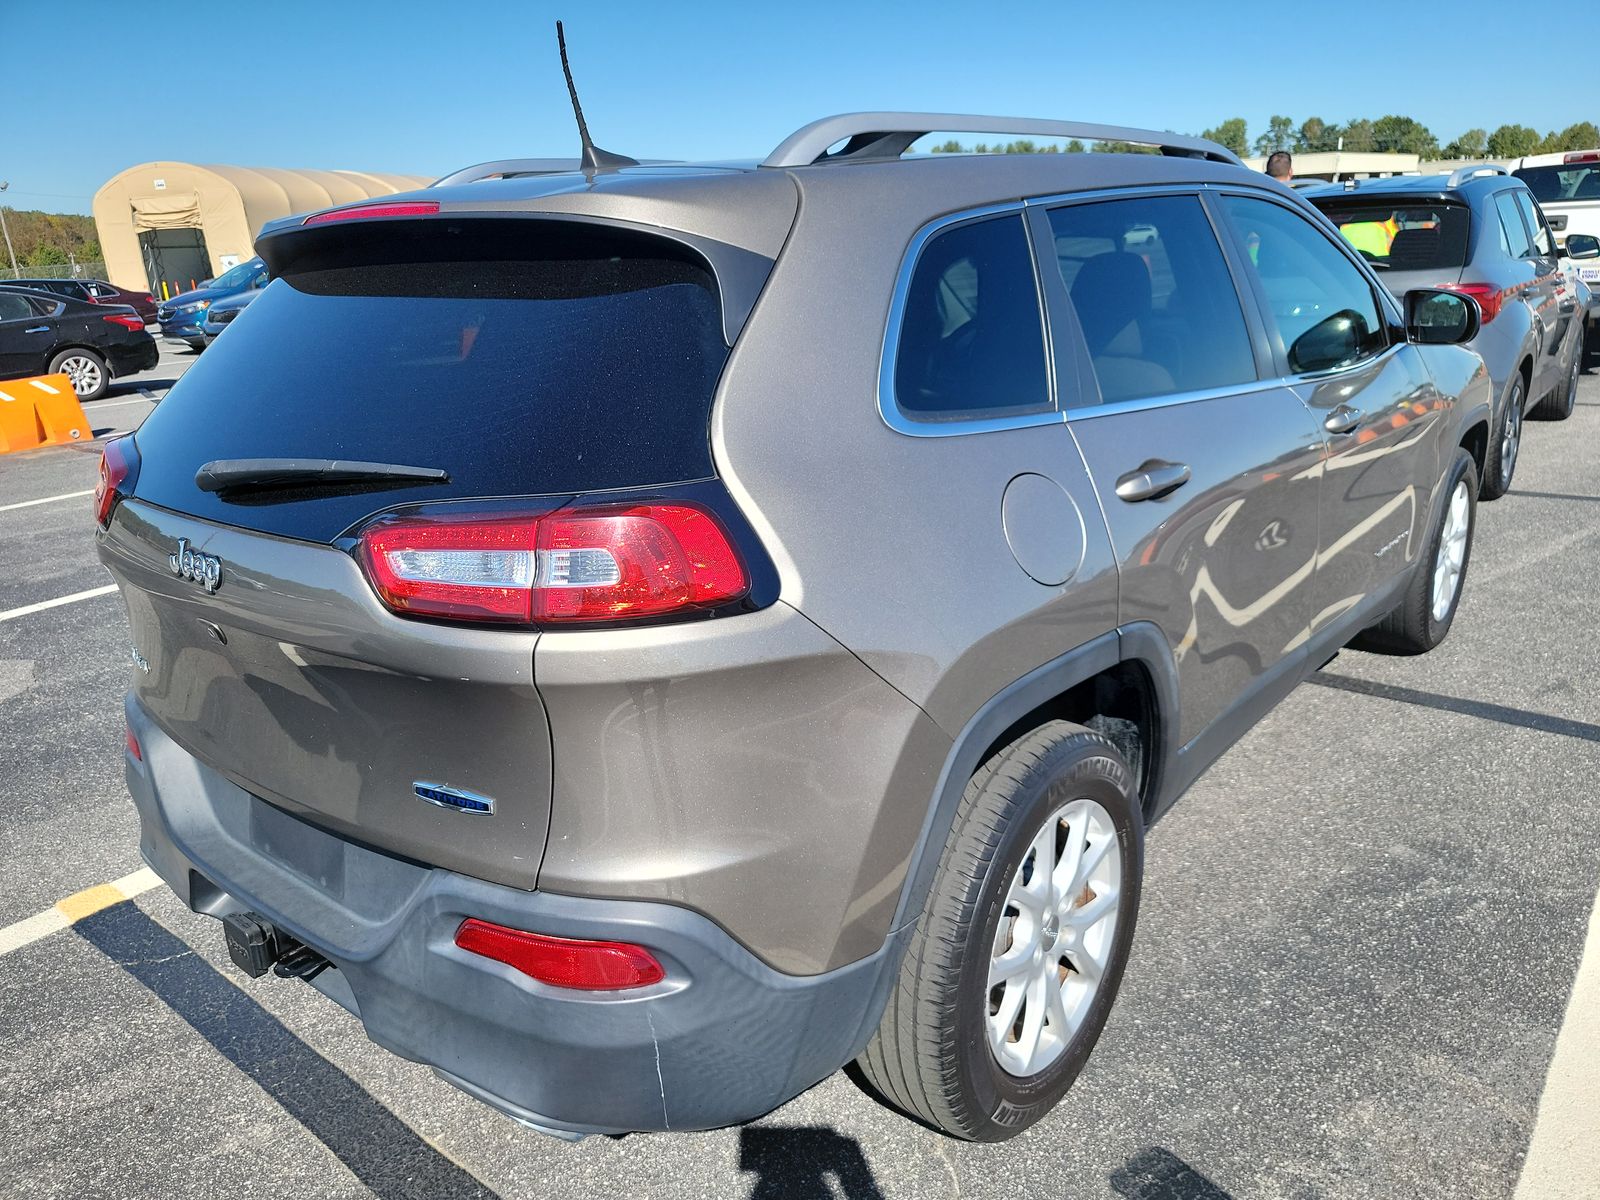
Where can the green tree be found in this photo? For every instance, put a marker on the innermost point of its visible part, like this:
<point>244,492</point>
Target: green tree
<point>47,255</point>
<point>1279,136</point>
<point>1513,141</point>
<point>1402,135</point>
<point>1232,133</point>
<point>1316,136</point>
<point>1359,137</point>
<point>1474,143</point>
<point>950,147</point>
<point>1123,148</point>
<point>1582,136</point>
<point>1074,147</point>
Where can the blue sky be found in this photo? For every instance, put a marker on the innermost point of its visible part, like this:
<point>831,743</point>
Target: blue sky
<point>426,87</point>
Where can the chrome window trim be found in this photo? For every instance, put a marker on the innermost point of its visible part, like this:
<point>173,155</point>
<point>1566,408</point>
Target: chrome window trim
<point>889,405</point>
<point>1172,399</point>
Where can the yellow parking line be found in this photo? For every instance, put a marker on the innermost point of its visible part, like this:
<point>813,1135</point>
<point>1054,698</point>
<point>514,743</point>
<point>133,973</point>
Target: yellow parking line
<point>65,913</point>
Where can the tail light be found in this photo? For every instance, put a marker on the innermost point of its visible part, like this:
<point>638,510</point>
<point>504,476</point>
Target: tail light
<point>127,321</point>
<point>612,563</point>
<point>563,962</point>
<point>1488,296</point>
<point>1578,156</point>
<point>119,471</point>
<point>133,746</point>
<point>404,208</point>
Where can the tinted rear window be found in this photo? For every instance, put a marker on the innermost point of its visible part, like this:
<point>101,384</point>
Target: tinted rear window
<point>1403,235</point>
<point>543,360</point>
<point>1558,183</point>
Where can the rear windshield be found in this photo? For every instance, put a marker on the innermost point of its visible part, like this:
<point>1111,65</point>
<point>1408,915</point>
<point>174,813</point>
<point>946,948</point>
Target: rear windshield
<point>1556,183</point>
<point>1406,235</point>
<point>542,361</point>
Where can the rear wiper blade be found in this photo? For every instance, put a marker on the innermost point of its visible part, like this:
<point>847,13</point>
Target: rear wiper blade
<point>256,474</point>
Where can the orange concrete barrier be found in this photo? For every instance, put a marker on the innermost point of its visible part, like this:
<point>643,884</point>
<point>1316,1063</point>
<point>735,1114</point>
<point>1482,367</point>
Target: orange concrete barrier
<point>41,411</point>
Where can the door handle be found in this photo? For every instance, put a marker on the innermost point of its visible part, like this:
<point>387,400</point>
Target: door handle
<point>1342,419</point>
<point>1152,479</point>
<point>38,329</point>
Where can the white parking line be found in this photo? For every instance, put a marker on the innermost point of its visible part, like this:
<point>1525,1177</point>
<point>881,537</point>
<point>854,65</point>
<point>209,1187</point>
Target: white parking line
<point>94,407</point>
<point>45,500</point>
<point>1563,1160</point>
<point>74,908</point>
<point>13,613</point>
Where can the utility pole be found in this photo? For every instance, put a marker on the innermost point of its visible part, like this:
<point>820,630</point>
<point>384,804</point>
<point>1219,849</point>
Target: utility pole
<point>15,274</point>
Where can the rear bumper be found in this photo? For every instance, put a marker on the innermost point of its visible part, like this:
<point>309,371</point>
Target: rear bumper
<point>722,1039</point>
<point>131,359</point>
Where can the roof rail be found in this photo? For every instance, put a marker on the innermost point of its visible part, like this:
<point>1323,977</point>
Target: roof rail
<point>500,168</point>
<point>890,134</point>
<point>1461,174</point>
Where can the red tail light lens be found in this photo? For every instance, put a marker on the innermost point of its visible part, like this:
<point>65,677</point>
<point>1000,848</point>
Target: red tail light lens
<point>1488,296</point>
<point>119,470</point>
<point>134,748</point>
<point>127,321</point>
<point>406,208</point>
<point>592,564</point>
<point>562,962</point>
<point>1583,156</point>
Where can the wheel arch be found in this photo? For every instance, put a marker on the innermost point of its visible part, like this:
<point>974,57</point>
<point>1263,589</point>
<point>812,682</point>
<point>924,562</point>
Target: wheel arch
<point>1123,684</point>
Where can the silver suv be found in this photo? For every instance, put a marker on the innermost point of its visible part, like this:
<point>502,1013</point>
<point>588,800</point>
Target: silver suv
<point>641,638</point>
<point>1479,232</point>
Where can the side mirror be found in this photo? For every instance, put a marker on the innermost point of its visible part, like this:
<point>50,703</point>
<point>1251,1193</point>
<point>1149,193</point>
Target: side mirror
<point>1583,245</point>
<point>1331,342</point>
<point>1439,318</point>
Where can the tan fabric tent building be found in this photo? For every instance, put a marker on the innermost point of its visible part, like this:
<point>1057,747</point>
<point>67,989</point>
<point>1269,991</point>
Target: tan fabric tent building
<point>173,223</point>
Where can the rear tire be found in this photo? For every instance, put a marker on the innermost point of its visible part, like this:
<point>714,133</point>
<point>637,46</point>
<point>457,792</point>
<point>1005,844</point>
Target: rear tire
<point>86,369</point>
<point>1004,991</point>
<point>1423,618</point>
<point>1558,405</point>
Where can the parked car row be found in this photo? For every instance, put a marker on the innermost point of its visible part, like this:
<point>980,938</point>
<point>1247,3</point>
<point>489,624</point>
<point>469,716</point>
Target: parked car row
<point>43,332</point>
<point>183,318</point>
<point>688,640</point>
<point>1480,232</point>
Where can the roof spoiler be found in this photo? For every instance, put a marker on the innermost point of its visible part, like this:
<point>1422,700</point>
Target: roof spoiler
<point>889,134</point>
<point>1461,174</point>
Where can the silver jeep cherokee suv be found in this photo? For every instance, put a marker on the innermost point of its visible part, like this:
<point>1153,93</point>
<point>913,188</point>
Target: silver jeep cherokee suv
<point>642,638</point>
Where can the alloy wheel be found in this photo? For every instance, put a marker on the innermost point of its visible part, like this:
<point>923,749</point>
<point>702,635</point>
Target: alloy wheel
<point>1452,551</point>
<point>1055,937</point>
<point>84,373</point>
<point>1511,436</point>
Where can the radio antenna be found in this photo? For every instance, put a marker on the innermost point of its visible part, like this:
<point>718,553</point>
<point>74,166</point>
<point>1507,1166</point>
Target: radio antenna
<point>594,158</point>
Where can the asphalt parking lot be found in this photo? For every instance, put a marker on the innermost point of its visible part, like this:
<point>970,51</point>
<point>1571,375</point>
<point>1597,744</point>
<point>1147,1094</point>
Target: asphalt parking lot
<point>1359,935</point>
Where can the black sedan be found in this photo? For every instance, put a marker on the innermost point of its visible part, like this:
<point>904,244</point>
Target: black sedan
<point>45,334</point>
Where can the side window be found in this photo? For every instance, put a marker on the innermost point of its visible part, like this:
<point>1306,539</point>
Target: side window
<point>1322,308</point>
<point>45,306</point>
<point>1542,243</point>
<point>1153,295</point>
<point>1514,234</point>
<point>972,330</point>
<point>14,307</point>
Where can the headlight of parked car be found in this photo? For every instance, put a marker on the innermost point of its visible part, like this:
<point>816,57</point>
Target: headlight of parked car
<point>197,306</point>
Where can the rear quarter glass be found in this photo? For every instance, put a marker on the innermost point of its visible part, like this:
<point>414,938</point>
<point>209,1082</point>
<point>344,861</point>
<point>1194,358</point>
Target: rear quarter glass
<point>537,361</point>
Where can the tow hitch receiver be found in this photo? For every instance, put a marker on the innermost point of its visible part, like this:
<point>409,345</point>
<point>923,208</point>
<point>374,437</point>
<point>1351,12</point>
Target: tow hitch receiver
<point>256,946</point>
<point>253,944</point>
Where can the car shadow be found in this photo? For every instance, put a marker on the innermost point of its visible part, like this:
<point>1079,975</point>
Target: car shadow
<point>790,1162</point>
<point>381,1150</point>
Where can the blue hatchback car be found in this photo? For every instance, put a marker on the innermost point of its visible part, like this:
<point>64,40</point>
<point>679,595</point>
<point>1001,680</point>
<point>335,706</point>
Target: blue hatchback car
<point>182,317</point>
